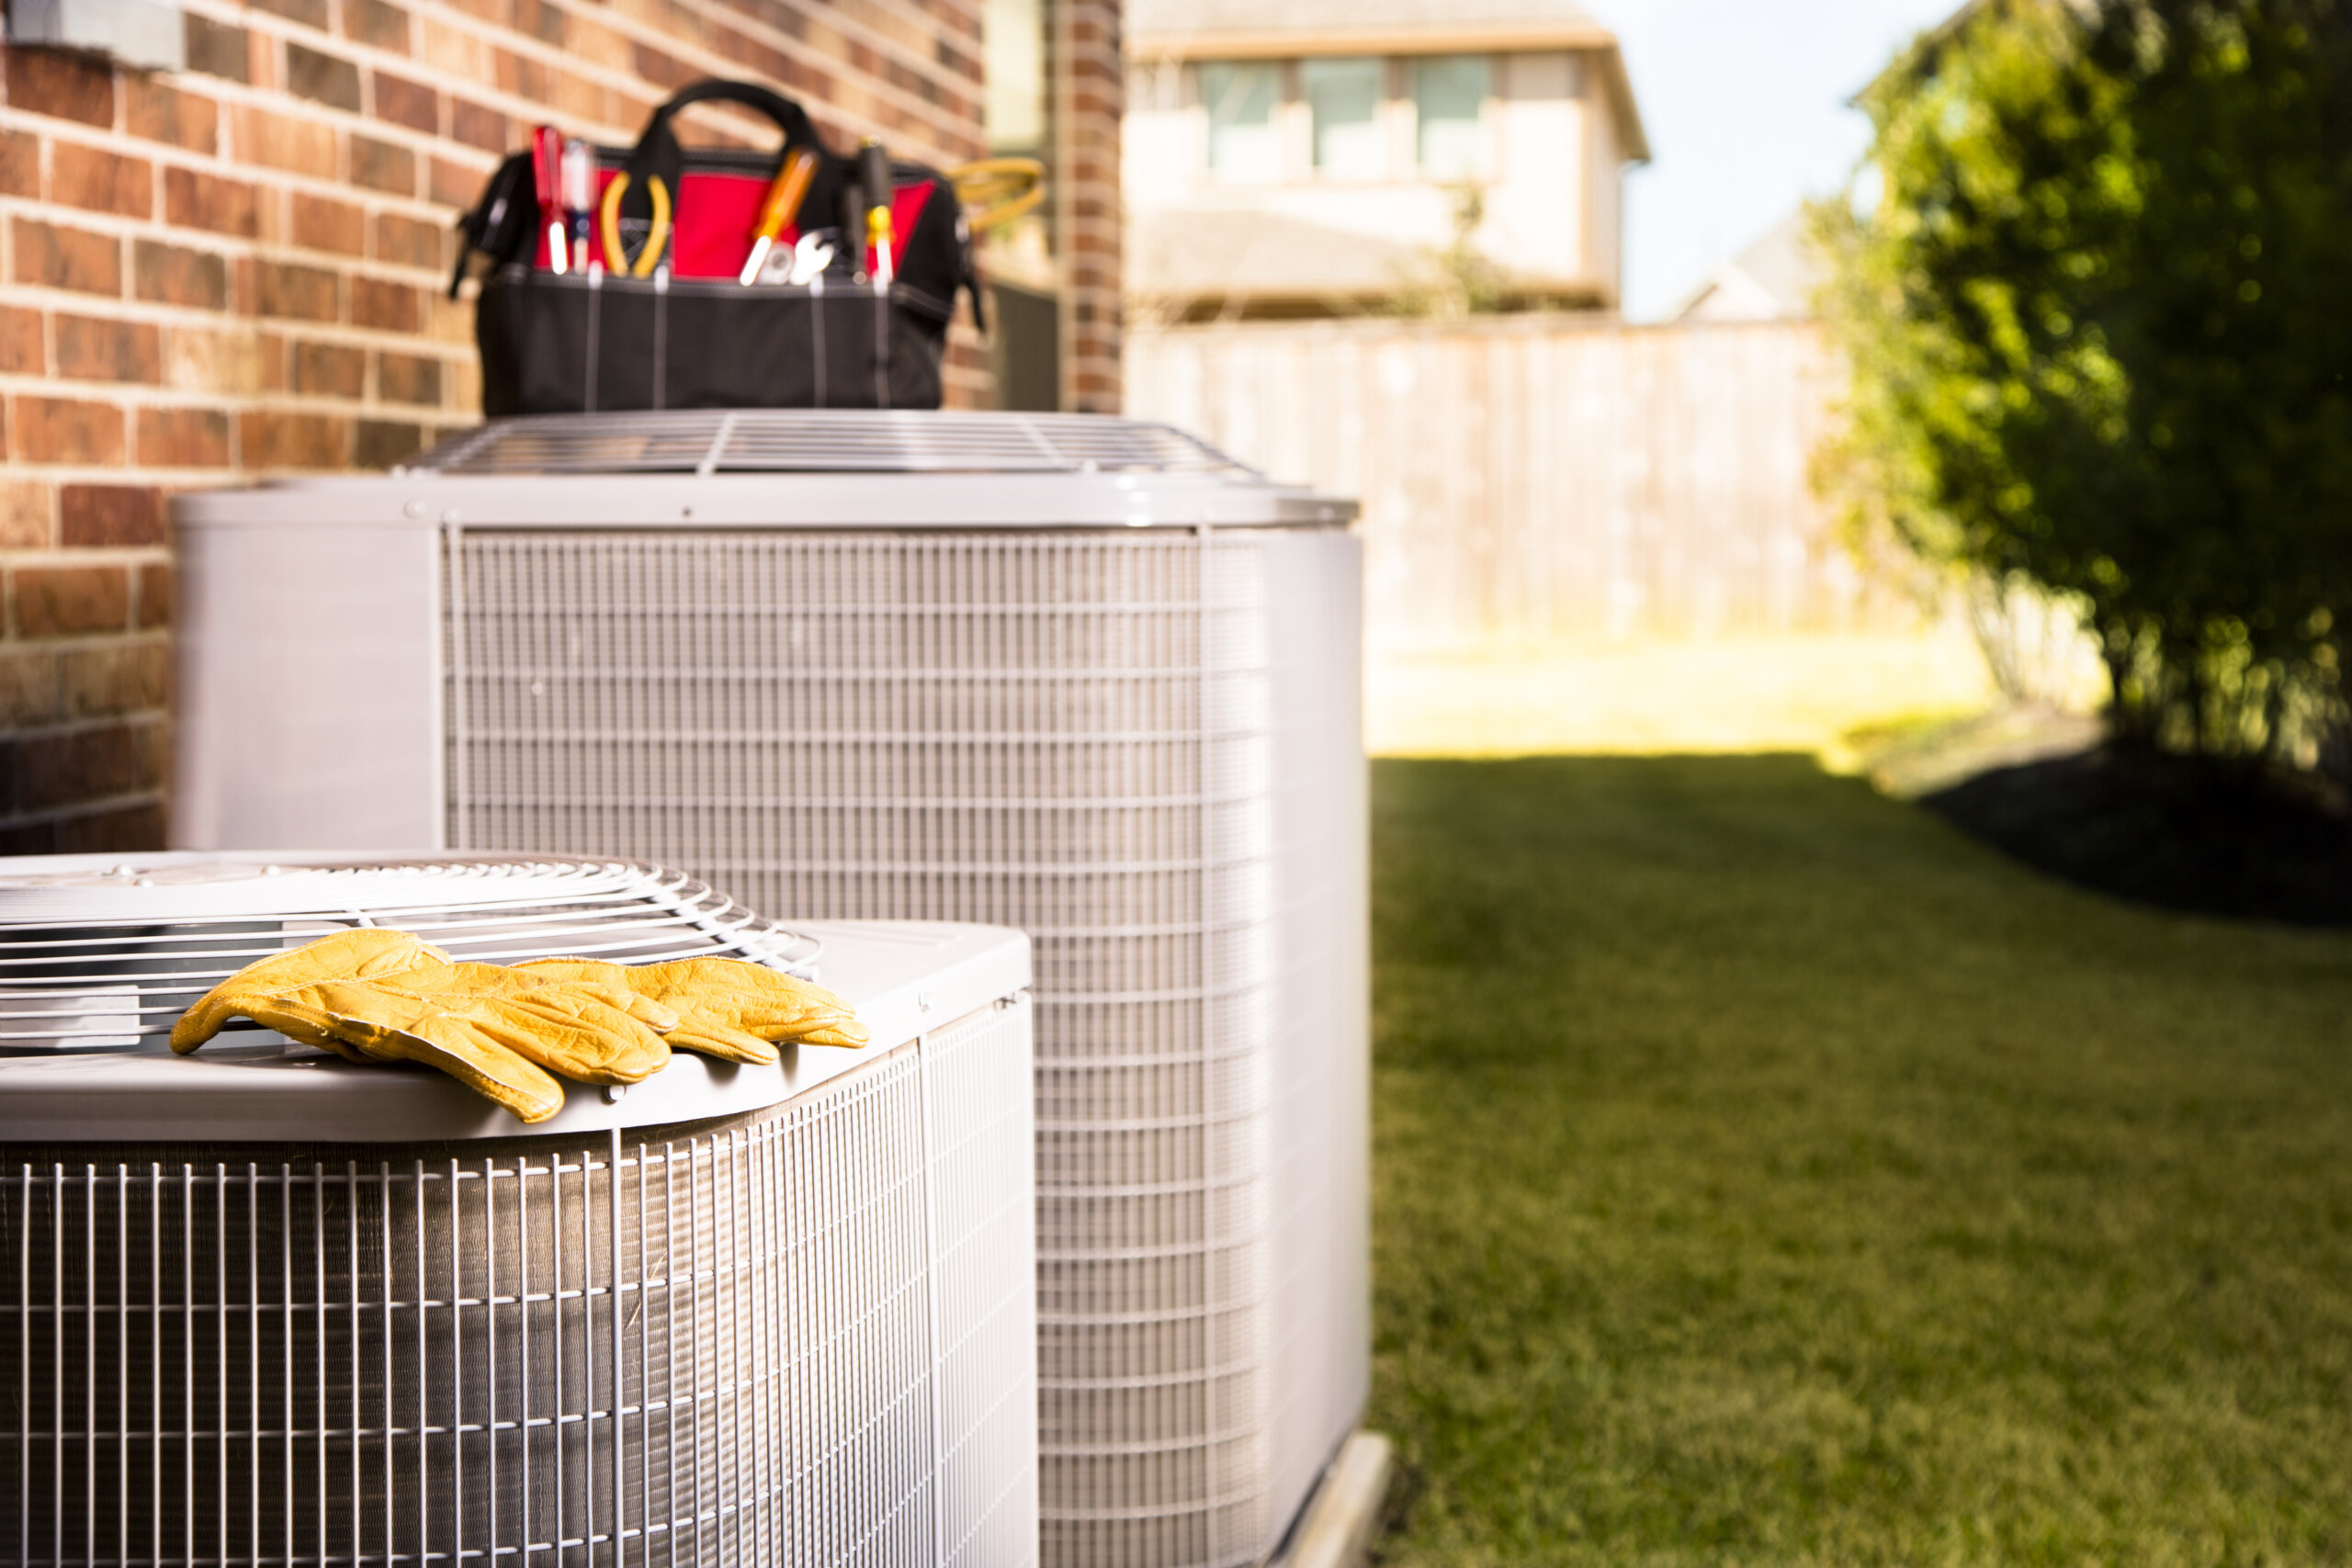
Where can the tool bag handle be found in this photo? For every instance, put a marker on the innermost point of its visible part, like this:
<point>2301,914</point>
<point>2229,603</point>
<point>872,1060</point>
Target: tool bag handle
<point>657,153</point>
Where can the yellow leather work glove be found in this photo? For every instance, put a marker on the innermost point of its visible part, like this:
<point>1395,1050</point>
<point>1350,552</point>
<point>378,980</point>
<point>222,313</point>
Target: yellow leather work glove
<point>498,980</point>
<point>510,1048</point>
<point>468,1038</point>
<point>726,1006</point>
<point>356,954</point>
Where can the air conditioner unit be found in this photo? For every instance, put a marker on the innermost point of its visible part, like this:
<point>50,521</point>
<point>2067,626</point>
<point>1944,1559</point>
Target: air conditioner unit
<point>259,1305</point>
<point>1082,676</point>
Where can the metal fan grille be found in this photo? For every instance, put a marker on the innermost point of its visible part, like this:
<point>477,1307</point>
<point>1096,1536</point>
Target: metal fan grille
<point>821,441</point>
<point>1141,748</point>
<point>801,1338</point>
<point>93,961</point>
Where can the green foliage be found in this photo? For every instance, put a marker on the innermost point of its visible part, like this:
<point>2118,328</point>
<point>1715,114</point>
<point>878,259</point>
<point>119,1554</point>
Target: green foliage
<point>2100,330</point>
<point>1767,1177</point>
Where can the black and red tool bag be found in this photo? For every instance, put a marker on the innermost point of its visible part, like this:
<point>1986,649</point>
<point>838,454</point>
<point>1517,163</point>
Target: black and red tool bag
<point>638,301</point>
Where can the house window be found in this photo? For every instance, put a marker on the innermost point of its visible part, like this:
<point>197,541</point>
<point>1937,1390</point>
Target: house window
<point>1245,145</point>
<point>1448,91</point>
<point>1343,97</point>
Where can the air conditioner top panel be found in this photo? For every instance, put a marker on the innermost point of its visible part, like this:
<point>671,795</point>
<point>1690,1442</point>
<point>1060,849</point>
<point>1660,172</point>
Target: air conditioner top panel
<point>829,470</point>
<point>99,953</point>
<point>767,441</point>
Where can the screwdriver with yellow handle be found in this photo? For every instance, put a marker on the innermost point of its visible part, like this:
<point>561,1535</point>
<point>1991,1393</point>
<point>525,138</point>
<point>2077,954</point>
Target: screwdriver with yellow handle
<point>785,193</point>
<point>874,175</point>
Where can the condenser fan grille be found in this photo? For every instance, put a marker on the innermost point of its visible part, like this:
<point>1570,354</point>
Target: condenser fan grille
<point>823,441</point>
<point>106,956</point>
<point>1138,747</point>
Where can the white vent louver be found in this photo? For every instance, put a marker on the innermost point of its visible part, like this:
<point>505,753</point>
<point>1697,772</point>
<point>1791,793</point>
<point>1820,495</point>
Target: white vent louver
<point>260,1307</point>
<point>101,954</point>
<point>1102,688</point>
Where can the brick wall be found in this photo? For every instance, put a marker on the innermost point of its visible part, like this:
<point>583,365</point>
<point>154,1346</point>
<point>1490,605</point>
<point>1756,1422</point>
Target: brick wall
<point>1088,94</point>
<point>237,271</point>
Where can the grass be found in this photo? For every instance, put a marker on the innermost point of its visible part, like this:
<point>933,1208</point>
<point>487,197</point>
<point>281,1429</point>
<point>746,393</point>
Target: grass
<point>1765,1174</point>
<point>1796,692</point>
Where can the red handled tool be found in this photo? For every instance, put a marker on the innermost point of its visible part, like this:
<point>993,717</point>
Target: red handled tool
<point>785,193</point>
<point>547,182</point>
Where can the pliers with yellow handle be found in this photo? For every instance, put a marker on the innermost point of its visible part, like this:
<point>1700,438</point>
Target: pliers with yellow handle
<point>656,233</point>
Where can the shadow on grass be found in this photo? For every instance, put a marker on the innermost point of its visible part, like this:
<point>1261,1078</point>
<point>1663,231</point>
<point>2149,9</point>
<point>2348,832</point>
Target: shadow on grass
<point>2169,830</point>
<point>1768,1174</point>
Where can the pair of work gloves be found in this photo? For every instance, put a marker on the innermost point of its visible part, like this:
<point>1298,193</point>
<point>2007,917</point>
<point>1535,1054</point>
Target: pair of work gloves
<point>370,995</point>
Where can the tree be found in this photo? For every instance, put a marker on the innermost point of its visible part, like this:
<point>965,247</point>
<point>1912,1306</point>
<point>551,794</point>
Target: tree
<point>2100,322</point>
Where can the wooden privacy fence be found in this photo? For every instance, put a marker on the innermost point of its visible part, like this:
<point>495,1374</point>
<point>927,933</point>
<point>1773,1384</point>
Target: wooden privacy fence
<point>1531,480</point>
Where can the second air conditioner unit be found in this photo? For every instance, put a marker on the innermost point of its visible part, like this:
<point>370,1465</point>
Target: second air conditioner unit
<point>1080,676</point>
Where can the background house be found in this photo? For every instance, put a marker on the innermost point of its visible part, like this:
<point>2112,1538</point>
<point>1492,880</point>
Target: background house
<point>1315,157</point>
<point>1774,279</point>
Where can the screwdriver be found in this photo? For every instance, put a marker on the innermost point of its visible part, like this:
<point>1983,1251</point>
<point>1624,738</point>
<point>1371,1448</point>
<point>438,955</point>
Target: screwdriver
<point>785,193</point>
<point>579,198</point>
<point>546,180</point>
<point>874,174</point>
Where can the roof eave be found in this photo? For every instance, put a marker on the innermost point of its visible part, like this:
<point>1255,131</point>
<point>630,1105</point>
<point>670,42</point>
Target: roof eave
<point>1630,129</point>
<point>1270,43</point>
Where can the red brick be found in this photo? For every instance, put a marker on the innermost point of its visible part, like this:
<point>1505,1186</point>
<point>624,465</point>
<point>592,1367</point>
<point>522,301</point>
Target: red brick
<point>20,348</point>
<point>408,379</point>
<point>100,181</point>
<point>177,276</point>
<point>193,200</point>
<point>309,13</point>
<point>323,78</point>
<point>479,125</point>
<point>299,146</point>
<point>523,76</point>
<point>54,82</point>
<point>113,678</point>
<point>76,766</point>
<point>61,430</point>
<point>391,306</point>
<point>91,348</point>
<point>407,102</point>
<point>29,693</point>
<point>154,596</point>
<point>379,165</point>
<point>381,443</point>
<point>269,354</point>
<point>330,369</point>
<point>408,241</point>
<point>322,224</point>
<point>164,113</point>
<point>549,24</point>
<point>458,185</point>
<point>19,163</point>
<point>115,831</point>
<point>70,600</point>
<point>662,69</point>
<point>183,438</point>
<point>218,49</point>
<point>67,258</point>
<point>101,516</point>
<point>273,439</point>
<point>27,514</point>
<point>377,24</point>
<point>305,293</point>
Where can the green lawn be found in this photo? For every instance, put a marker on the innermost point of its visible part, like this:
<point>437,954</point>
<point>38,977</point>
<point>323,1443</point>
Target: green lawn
<point>1765,1174</point>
